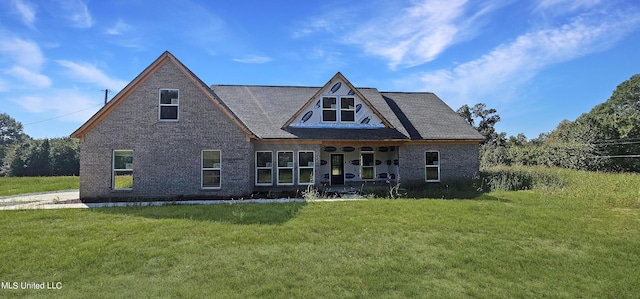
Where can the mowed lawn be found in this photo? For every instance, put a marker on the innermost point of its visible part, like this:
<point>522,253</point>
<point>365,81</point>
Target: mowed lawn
<point>21,185</point>
<point>501,244</point>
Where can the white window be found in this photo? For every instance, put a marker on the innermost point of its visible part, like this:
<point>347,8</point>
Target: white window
<point>169,102</point>
<point>347,109</point>
<point>367,166</point>
<point>211,167</point>
<point>122,174</point>
<point>285,168</point>
<point>339,109</point>
<point>264,168</point>
<point>329,109</point>
<point>306,167</point>
<point>432,166</point>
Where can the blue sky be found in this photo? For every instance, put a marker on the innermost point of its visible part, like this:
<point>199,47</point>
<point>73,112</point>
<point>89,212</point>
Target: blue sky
<point>536,62</point>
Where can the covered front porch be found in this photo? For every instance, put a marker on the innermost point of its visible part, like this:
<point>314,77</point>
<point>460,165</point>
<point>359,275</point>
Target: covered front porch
<point>344,165</point>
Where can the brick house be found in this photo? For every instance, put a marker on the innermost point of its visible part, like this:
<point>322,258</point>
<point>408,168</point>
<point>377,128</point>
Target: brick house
<point>169,135</point>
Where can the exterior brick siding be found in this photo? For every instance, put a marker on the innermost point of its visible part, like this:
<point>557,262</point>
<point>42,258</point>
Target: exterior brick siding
<point>457,161</point>
<point>167,155</point>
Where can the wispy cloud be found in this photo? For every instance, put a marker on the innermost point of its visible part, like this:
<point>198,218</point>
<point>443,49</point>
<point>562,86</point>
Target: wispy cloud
<point>25,61</point>
<point>27,12</point>
<point>512,64</point>
<point>335,21</point>
<point>406,36</point>
<point>254,59</point>
<point>77,12</point>
<point>566,5</point>
<point>118,28</point>
<point>3,86</point>
<point>22,52</point>
<point>59,102</point>
<point>86,72</point>
<point>418,36</point>
<point>32,78</point>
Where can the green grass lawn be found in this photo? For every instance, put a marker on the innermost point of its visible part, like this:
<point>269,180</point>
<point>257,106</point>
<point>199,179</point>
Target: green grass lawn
<point>20,185</point>
<point>573,234</point>
<point>502,244</point>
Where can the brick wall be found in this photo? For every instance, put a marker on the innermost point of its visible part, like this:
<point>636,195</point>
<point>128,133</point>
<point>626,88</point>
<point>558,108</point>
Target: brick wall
<point>457,161</point>
<point>167,155</point>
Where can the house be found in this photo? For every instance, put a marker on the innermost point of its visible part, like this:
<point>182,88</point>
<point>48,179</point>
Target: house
<point>169,135</point>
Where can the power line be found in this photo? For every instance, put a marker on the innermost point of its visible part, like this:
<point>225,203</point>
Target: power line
<point>61,116</point>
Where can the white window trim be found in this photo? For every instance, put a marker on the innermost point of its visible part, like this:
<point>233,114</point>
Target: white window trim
<point>338,109</point>
<point>287,167</point>
<point>160,105</point>
<point>347,109</point>
<point>264,168</point>
<point>362,165</point>
<point>202,169</point>
<point>313,168</point>
<point>113,169</point>
<point>432,166</point>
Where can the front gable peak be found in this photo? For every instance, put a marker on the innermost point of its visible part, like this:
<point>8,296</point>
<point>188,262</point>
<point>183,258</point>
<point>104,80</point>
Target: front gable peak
<point>338,104</point>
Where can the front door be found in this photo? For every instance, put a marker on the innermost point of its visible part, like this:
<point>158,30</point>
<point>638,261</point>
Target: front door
<point>337,169</point>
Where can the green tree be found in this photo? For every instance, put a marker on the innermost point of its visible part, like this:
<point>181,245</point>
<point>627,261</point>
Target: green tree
<point>11,133</point>
<point>65,156</point>
<point>31,158</point>
<point>608,136</point>
<point>487,119</point>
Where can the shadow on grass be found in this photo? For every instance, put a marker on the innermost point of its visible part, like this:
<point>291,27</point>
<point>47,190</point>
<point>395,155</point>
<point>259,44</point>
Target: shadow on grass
<point>270,213</point>
<point>462,189</point>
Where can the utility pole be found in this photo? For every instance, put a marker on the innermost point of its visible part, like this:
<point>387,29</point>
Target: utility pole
<point>106,95</point>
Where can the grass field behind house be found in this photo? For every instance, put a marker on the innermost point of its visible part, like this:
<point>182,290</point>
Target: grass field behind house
<point>566,240</point>
<point>21,185</point>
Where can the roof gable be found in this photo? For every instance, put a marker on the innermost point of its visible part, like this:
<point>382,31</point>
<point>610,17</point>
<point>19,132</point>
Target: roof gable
<point>343,105</point>
<point>165,58</point>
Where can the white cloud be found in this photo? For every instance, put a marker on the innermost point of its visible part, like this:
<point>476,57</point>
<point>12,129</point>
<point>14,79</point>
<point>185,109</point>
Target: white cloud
<point>25,61</point>
<point>68,104</point>
<point>77,12</point>
<point>86,72</point>
<point>416,36</point>
<point>404,37</point>
<point>27,11</point>
<point>32,78</point>
<point>3,86</point>
<point>118,28</point>
<point>253,59</point>
<point>566,5</point>
<point>497,73</point>
<point>22,52</point>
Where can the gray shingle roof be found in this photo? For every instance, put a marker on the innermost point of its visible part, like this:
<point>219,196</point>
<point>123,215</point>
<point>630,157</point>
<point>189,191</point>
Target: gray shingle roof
<point>425,116</point>
<point>418,116</point>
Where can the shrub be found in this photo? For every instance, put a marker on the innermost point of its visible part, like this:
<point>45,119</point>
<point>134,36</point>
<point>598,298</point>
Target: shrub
<point>520,178</point>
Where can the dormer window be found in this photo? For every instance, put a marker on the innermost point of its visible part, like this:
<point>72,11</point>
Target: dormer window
<point>338,109</point>
<point>329,109</point>
<point>347,109</point>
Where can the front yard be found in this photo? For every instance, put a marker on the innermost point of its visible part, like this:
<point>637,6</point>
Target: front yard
<point>502,244</point>
<point>572,234</point>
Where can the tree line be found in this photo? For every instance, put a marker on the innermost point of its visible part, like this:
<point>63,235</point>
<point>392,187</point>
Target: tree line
<point>21,155</point>
<point>607,138</point>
